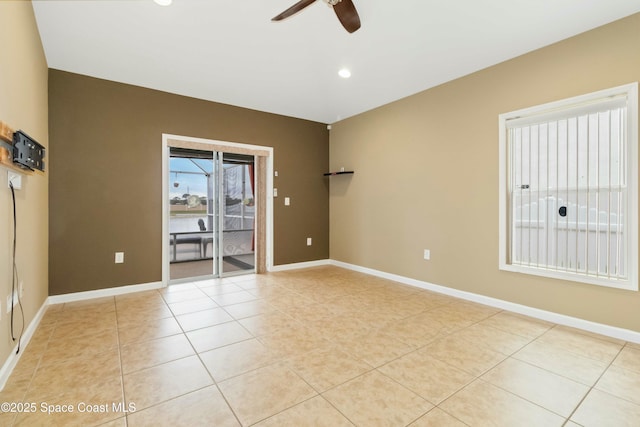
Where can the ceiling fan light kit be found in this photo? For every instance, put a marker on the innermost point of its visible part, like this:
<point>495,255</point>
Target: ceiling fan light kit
<point>344,9</point>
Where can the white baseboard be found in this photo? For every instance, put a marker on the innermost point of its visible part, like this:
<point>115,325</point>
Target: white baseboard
<point>99,293</point>
<point>561,319</point>
<point>13,358</point>
<point>299,265</point>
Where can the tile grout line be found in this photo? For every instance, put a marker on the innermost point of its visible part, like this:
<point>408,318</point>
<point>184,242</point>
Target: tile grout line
<point>567,418</point>
<point>36,368</point>
<point>124,395</point>
<point>318,394</point>
<point>592,387</point>
<point>292,287</point>
<point>195,353</point>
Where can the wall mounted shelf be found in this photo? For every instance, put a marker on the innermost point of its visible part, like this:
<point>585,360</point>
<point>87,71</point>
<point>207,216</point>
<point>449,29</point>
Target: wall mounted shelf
<point>339,173</point>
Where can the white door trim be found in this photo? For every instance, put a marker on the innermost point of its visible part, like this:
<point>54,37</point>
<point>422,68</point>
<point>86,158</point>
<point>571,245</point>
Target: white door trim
<point>231,147</point>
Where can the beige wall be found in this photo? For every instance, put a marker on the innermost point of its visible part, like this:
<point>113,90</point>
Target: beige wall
<point>106,177</point>
<point>426,175</point>
<point>23,105</point>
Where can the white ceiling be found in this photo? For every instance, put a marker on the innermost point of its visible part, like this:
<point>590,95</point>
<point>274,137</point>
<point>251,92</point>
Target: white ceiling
<point>229,51</point>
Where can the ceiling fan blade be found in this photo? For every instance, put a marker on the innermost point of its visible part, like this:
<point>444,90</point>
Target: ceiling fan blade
<point>348,15</point>
<point>293,10</point>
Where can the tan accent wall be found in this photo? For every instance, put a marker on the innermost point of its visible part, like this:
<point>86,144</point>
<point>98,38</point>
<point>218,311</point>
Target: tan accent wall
<point>106,177</point>
<point>426,175</point>
<point>23,105</point>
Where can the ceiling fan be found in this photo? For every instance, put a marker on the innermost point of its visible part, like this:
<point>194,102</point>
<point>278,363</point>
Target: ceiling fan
<point>345,11</point>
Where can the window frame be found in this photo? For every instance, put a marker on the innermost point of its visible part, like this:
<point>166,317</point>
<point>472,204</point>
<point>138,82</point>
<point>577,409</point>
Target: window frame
<point>558,107</point>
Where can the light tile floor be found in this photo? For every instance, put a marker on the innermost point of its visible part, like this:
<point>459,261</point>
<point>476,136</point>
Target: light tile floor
<point>315,347</point>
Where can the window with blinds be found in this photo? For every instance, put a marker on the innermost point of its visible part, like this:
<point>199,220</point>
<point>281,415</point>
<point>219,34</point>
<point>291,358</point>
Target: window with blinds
<point>569,189</point>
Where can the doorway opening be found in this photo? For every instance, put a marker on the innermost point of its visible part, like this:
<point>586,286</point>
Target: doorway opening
<point>216,219</point>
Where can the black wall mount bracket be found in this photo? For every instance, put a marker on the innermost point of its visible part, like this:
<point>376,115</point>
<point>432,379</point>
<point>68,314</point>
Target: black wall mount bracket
<point>27,152</point>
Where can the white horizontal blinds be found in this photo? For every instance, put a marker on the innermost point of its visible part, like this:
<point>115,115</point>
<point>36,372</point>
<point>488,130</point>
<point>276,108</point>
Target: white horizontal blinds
<point>567,189</point>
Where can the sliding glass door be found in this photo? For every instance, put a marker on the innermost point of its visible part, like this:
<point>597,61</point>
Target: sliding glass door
<point>237,214</point>
<point>211,214</point>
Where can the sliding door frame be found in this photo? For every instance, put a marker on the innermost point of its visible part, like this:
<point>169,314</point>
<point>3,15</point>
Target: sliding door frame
<point>264,191</point>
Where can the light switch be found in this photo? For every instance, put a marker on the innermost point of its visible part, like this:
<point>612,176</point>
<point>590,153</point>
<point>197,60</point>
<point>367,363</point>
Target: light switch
<point>287,201</point>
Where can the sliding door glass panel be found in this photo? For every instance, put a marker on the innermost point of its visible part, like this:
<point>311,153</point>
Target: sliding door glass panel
<point>237,214</point>
<point>192,183</point>
<point>211,214</point>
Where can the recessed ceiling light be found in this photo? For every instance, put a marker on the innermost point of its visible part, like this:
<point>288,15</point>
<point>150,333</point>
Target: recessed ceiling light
<point>163,2</point>
<point>344,73</point>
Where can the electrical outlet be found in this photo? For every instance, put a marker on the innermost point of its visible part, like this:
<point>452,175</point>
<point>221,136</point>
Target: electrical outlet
<point>14,178</point>
<point>427,254</point>
<point>275,192</point>
<point>309,241</point>
<point>119,258</point>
